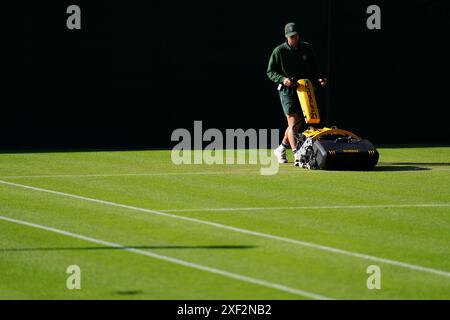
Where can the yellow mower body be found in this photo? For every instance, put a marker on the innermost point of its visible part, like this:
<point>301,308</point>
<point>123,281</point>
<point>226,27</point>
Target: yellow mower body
<point>305,92</point>
<point>315,134</point>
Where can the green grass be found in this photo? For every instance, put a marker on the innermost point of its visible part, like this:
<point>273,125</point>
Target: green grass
<point>390,225</point>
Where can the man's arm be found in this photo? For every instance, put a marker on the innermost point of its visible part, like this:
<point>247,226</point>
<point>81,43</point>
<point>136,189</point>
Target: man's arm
<point>274,68</point>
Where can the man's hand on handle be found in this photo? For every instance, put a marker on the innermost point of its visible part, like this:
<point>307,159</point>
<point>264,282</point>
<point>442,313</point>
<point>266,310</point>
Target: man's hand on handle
<point>287,82</point>
<point>323,82</point>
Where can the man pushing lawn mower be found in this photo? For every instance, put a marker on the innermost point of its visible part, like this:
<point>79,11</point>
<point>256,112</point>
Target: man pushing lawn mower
<point>290,61</point>
<point>292,65</point>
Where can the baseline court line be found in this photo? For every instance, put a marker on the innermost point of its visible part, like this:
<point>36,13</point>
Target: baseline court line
<point>224,273</point>
<point>243,231</point>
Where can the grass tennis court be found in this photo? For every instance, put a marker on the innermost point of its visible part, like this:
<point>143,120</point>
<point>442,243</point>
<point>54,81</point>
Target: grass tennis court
<point>140,227</point>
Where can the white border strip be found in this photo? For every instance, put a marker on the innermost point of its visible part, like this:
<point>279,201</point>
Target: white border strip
<point>232,275</point>
<point>244,231</point>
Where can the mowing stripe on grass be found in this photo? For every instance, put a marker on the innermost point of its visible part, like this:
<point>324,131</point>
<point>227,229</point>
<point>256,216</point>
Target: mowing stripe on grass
<point>105,175</point>
<point>244,231</point>
<point>425,205</point>
<point>236,171</point>
<point>224,273</point>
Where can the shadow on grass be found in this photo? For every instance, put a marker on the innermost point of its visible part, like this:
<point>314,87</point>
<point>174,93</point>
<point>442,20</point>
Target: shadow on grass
<point>398,167</point>
<point>431,164</point>
<point>129,292</point>
<point>435,144</point>
<point>125,247</point>
<point>409,166</point>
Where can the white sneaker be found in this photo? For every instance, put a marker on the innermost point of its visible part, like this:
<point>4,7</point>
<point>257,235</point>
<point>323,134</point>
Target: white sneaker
<point>297,158</point>
<point>280,154</point>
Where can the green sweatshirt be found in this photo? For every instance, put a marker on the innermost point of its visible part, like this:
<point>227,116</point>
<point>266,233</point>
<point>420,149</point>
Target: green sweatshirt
<point>289,62</point>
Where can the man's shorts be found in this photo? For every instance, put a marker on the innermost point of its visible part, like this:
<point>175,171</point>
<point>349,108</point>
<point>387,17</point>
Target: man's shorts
<point>289,101</point>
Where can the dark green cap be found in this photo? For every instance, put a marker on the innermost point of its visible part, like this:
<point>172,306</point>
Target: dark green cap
<point>290,29</point>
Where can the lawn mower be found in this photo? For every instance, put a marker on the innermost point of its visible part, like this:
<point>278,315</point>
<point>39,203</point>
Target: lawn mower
<point>329,148</point>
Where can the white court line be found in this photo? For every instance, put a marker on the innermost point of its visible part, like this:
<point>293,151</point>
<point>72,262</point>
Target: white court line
<point>425,205</point>
<point>224,273</point>
<point>244,231</point>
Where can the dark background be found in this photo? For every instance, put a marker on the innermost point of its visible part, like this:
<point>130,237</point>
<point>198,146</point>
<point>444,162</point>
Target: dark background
<point>138,70</point>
